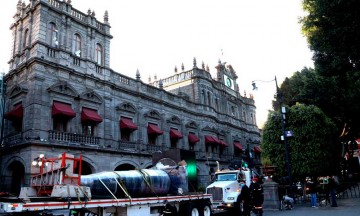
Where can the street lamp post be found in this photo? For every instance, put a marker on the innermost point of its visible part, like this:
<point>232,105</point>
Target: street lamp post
<point>2,108</point>
<point>284,135</point>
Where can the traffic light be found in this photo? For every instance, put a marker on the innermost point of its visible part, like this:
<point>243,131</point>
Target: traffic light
<point>244,164</point>
<point>191,169</point>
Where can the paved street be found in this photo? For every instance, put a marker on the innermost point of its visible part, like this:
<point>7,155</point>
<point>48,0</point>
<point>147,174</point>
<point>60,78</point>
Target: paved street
<point>347,207</point>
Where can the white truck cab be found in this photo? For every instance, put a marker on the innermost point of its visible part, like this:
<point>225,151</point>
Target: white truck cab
<point>225,189</point>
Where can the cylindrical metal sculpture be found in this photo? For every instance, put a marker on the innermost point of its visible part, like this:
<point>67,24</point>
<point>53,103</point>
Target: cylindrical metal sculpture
<point>134,183</point>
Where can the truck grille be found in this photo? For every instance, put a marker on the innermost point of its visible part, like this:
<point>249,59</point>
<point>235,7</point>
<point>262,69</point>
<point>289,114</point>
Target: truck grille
<point>216,193</point>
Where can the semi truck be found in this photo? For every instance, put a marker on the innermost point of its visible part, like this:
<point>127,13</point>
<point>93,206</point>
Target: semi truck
<point>225,189</point>
<point>160,190</point>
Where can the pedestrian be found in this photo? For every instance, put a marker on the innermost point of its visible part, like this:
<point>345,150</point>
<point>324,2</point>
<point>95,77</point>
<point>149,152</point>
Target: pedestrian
<point>256,195</point>
<point>245,197</point>
<point>311,186</point>
<point>326,190</point>
<point>332,189</point>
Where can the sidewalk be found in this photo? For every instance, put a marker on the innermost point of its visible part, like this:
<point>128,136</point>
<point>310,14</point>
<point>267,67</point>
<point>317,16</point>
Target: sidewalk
<point>346,207</point>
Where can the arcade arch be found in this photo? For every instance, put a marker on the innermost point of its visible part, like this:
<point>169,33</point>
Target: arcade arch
<point>15,177</point>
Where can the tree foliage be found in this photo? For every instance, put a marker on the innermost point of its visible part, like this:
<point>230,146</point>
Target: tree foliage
<point>308,87</point>
<point>332,28</point>
<point>312,148</point>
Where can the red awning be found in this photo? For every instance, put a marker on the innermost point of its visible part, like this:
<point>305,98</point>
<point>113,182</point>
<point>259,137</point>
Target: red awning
<point>223,143</point>
<point>127,124</point>
<point>90,115</point>
<point>238,146</point>
<point>15,114</point>
<point>62,109</point>
<point>175,134</point>
<point>193,138</point>
<point>257,149</point>
<point>154,129</point>
<point>211,140</point>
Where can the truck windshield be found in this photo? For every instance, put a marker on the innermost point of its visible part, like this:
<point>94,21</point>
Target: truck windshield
<point>226,177</point>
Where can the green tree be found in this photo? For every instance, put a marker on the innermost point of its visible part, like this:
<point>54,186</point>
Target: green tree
<point>312,148</point>
<point>332,28</point>
<point>310,88</point>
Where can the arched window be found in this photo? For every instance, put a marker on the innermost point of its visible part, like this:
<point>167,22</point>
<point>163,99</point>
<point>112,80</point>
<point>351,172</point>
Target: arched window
<point>209,98</point>
<point>99,54</point>
<point>232,110</point>
<point>52,35</point>
<point>217,104</point>
<point>25,38</point>
<point>202,96</point>
<point>77,45</point>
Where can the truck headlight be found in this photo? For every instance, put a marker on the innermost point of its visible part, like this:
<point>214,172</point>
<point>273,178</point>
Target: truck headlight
<point>231,198</point>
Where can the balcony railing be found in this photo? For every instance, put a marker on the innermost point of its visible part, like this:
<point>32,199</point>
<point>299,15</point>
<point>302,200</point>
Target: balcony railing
<point>128,146</point>
<point>13,139</point>
<point>51,52</point>
<point>73,138</point>
<point>210,156</point>
<point>140,147</point>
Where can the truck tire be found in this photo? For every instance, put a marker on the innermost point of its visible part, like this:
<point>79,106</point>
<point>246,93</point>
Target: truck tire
<point>206,210</point>
<point>194,211</point>
<point>239,207</point>
<point>190,210</point>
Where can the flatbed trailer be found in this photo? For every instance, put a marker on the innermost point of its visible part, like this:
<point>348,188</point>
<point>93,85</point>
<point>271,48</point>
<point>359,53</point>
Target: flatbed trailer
<point>186,205</point>
<point>58,187</point>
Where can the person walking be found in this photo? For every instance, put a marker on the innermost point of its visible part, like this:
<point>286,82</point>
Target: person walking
<point>332,188</point>
<point>311,185</point>
<point>245,197</point>
<point>256,195</point>
<point>326,190</point>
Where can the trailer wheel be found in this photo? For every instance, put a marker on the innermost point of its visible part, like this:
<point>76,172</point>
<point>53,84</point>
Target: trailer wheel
<point>191,210</point>
<point>206,210</point>
<point>194,211</point>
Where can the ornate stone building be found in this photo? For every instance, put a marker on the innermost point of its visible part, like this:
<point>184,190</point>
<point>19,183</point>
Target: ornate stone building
<point>62,96</point>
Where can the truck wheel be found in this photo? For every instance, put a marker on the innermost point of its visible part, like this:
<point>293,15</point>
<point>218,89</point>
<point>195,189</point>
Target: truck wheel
<point>191,210</point>
<point>194,211</point>
<point>239,207</point>
<point>206,210</point>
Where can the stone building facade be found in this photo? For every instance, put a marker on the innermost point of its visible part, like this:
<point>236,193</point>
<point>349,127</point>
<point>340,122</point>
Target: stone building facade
<point>62,96</point>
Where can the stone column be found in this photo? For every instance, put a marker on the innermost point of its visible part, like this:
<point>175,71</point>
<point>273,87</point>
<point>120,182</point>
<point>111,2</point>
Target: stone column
<point>271,196</point>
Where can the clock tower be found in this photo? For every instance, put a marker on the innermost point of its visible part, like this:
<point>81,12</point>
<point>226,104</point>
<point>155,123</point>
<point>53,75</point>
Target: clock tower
<point>226,75</point>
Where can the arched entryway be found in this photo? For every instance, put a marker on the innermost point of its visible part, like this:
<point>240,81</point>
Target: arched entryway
<point>149,166</point>
<point>86,168</point>
<point>124,167</point>
<point>16,171</point>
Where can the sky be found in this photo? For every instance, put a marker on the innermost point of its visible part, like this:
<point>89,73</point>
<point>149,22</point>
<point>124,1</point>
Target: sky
<point>261,39</point>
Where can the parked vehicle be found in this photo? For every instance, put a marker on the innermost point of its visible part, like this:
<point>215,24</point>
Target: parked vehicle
<point>225,190</point>
<point>161,190</point>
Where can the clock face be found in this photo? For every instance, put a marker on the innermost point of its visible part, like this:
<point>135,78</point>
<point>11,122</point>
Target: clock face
<point>228,82</point>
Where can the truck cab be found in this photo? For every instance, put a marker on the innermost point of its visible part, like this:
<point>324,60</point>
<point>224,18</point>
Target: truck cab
<point>225,189</point>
